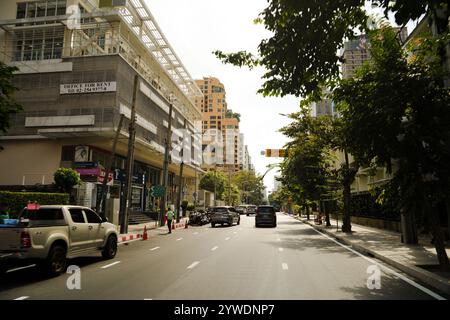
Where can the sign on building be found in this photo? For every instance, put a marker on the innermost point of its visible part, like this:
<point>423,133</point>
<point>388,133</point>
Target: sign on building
<point>88,87</point>
<point>275,153</point>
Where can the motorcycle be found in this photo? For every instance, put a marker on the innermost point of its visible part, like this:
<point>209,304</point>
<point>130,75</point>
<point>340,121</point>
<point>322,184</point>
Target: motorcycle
<point>198,218</point>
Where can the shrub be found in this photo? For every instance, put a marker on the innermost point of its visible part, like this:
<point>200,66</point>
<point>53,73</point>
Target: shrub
<point>66,179</point>
<point>14,202</point>
<point>190,207</point>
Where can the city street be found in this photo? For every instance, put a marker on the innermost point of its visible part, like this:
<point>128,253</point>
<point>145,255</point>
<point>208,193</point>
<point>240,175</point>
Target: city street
<point>292,261</point>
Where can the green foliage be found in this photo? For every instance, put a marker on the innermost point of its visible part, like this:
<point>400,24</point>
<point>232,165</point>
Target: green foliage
<point>232,194</point>
<point>190,207</point>
<point>8,105</point>
<point>214,181</point>
<point>250,186</point>
<point>301,56</point>
<point>231,114</point>
<point>14,202</point>
<point>66,179</point>
<point>396,113</point>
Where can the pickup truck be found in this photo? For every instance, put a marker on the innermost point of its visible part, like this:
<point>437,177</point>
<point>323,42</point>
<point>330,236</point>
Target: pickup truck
<point>52,234</point>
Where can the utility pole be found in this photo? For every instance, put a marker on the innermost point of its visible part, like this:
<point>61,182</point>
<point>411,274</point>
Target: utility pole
<point>180,185</point>
<point>101,201</point>
<point>130,160</point>
<point>229,186</point>
<point>166,168</point>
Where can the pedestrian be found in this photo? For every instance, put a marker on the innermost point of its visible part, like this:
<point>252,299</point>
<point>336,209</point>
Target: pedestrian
<point>170,215</point>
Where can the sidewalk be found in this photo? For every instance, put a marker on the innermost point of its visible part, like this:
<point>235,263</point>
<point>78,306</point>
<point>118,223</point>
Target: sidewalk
<point>386,246</point>
<point>135,232</point>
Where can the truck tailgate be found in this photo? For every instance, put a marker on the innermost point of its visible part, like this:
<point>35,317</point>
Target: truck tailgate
<point>10,239</point>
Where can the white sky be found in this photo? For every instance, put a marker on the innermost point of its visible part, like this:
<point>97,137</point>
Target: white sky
<point>196,28</point>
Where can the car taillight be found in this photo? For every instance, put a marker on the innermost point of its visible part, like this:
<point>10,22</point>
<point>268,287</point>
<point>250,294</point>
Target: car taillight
<point>25,240</point>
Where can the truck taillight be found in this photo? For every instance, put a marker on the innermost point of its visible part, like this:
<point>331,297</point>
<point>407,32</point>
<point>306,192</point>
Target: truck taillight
<point>25,240</point>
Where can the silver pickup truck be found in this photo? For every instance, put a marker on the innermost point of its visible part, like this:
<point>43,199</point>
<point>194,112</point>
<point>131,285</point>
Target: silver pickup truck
<point>52,234</point>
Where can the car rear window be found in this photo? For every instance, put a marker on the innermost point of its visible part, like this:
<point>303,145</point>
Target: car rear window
<point>42,218</point>
<point>220,210</point>
<point>266,210</point>
<point>42,214</point>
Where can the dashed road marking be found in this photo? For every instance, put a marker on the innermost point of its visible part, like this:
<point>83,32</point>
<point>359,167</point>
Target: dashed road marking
<point>179,239</point>
<point>22,298</point>
<point>193,265</point>
<point>195,233</point>
<point>227,238</point>
<point>21,268</point>
<point>284,266</point>
<point>155,248</point>
<point>280,249</point>
<point>215,248</point>
<point>110,265</point>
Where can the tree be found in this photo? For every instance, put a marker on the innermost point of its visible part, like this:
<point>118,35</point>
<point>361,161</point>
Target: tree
<point>214,181</point>
<point>396,114</point>
<point>231,114</point>
<point>8,105</point>
<point>250,185</point>
<point>232,194</point>
<point>302,56</point>
<point>66,179</point>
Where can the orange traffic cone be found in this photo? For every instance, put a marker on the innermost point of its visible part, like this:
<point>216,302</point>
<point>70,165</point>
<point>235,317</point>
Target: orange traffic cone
<point>145,236</point>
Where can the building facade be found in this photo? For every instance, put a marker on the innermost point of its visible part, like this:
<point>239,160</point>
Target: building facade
<point>76,81</point>
<point>222,140</point>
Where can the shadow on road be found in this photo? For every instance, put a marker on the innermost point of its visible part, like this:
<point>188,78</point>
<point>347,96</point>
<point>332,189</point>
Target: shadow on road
<point>34,275</point>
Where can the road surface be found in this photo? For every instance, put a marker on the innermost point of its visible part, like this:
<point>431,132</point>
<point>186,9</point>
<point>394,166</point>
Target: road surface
<point>292,261</point>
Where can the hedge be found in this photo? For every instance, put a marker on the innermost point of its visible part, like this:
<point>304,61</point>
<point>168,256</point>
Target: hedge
<point>14,202</point>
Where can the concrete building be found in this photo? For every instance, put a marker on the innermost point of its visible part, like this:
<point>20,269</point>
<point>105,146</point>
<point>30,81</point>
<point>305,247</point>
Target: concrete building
<point>75,82</point>
<point>221,135</point>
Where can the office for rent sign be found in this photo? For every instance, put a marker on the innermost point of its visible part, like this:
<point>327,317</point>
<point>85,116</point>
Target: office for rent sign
<point>89,87</point>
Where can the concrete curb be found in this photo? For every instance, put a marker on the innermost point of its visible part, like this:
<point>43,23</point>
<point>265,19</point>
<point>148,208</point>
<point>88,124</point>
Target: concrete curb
<point>139,235</point>
<point>430,279</point>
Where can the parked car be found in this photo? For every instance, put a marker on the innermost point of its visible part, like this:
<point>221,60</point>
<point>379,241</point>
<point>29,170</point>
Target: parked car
<point>242,209</point>
<point>266,215</point>
<point>224,215</point>
<point>251,210</point>
<point>52,234</point>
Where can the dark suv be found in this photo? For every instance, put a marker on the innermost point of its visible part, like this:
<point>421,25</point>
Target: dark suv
<point>266,215</point>
<point>224,215</point>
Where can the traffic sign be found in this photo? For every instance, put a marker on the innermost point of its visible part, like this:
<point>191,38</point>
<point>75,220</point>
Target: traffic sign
<point>275,153</point>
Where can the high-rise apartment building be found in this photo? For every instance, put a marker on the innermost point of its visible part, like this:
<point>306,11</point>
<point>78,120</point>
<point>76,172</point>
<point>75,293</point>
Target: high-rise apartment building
<point>220,129</point>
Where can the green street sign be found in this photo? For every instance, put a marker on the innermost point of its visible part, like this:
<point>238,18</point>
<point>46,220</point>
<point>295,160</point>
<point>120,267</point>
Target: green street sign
<point>157,191</point>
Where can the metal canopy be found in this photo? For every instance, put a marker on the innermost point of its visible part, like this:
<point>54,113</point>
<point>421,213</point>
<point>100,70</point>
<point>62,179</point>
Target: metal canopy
<point>141,21</point>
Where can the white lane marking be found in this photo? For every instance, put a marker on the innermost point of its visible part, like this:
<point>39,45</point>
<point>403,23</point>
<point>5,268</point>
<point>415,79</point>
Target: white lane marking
<point>195,233</point>
<point>407,280</point>
<point>179,239</point>
<point>155,248</point>
<point>6,255</point>
<point>215,248</point>
<point>235,232</point>
<point>21,268</point>
<point>110,265</point>
<point>193,265</point>
<point>280,249</point>
<point>22,298</point>
<point>278,239</point>
<point>227,238</point>
<point>284,266</point>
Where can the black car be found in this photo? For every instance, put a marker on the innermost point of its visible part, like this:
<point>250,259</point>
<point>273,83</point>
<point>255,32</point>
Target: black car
<point>224,215</point>
<point>266,215</point>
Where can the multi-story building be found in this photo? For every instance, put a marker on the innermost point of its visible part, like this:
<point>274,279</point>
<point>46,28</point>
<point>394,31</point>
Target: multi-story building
<point>76,81</point>
<point>221,135</point>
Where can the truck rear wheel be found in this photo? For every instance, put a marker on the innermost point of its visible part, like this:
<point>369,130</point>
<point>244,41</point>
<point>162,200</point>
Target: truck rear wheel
<point>56,261</point>
<point>110,249</point>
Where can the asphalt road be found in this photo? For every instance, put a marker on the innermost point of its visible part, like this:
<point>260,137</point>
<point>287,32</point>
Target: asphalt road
<point>292,261</point>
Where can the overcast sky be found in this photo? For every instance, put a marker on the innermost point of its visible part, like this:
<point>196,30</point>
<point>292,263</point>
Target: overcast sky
<point>195,28</point>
